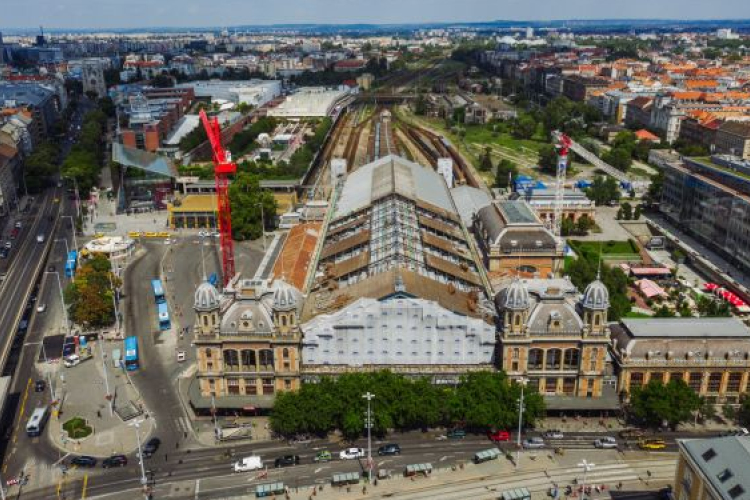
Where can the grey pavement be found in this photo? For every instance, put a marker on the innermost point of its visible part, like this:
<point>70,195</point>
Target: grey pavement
<point>611,229</point>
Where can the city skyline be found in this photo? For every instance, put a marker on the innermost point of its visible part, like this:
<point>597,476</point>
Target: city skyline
<point>109,14</point>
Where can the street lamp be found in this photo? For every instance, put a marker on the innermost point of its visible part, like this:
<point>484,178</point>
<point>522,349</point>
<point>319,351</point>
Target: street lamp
<point>62,299</point>
<point>262,224</point>
<point>522,381</point>
<point>137,425</point>
<point>368,423</point>
<point>586,467</point>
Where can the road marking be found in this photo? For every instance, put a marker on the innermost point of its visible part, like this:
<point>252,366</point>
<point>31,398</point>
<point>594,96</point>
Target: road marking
<point>197,488</point>
<point>23,409</point>
<point>85,484</point>
<point>318,470</point>
<point>63,458</point>
<point>444,458</point>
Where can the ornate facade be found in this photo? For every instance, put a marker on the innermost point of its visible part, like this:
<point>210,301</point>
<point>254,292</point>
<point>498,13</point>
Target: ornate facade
<point>556,338</point>
<point>247,344</point>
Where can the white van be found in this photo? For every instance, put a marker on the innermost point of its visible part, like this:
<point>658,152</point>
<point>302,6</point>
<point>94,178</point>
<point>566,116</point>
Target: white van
<point>40,238</point>
<point>72,360</point>
<point>248,463</point>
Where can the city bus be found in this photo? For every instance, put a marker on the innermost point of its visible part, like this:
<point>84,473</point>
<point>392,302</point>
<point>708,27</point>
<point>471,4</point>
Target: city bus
<point>131,353</point>
<point>37,421</point>
<point>158,291</point>
<point>164,323</point>
<point>71,264</point>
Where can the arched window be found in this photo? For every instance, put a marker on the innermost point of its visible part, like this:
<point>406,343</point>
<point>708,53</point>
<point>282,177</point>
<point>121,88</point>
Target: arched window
<point>535,359</point>
<point>553,359</point>
<point>248,359</point>
<point>285,353</point>
<point>517,320</point>
<point>231,360</point>
<point>571,359</point>
<point>597,320</point>
<point>205,320</point>
<point>283,321</point>
<point>266,360</point>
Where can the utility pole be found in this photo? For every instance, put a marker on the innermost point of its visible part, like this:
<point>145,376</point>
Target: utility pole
<point>217,431</point>
<point>523,382</point>
<point>369,396</point>
<point>262,224</point>
<point>144,481</point>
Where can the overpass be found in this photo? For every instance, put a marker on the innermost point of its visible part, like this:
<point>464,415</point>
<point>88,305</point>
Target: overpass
<point>595,160</point>
<point>384,98</point>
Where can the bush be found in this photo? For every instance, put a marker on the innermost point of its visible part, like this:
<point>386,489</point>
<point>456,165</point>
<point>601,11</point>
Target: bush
<point>77,428</point>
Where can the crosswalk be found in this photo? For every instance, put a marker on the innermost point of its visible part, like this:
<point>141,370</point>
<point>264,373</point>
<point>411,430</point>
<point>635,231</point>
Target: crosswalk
<point>182,424</point>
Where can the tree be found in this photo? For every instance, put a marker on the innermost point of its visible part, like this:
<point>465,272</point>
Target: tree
<point>627,211</point>
<point>664,312</point>
<point>656,403</point>
<point>584,224</point>
<point>162,81</point>
<point>246,199</point>
<point>707,410</point>
<point>89,297</point>
<point>504,171</point>
<point>548,159</point>
<point>743,413</point>
<point>729,411</point>
<point>420,104</point>
<point>603,190</point>
<point>40,165</point>
<point>524,127</point>
<point>653,195</point>
<point>568,227</point>
<point>637,213</point>
<point>619,158</point>
<point>485,165</point>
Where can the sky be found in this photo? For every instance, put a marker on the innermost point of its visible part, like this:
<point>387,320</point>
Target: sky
<point>189,13</point>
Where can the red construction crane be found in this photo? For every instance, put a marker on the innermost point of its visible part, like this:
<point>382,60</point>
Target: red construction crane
<point>223,168</point>
<point>563,148</point>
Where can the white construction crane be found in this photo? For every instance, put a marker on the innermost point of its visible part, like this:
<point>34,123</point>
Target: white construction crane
<point>563,149</point>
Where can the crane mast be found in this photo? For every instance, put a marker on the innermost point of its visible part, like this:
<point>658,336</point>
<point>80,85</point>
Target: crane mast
<point>223,168</point>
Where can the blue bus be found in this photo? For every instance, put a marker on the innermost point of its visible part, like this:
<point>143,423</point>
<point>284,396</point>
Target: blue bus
<point>164,323</point>
<point>71,264</point>
<point>158,291</point>
<point>131,353</point>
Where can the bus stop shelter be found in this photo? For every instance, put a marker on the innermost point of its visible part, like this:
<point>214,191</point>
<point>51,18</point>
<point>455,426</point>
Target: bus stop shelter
<point>516,494</point>
<point>269,489</point>
<point>414,469</point>
<point>346,478</point>
<point>486,455</point>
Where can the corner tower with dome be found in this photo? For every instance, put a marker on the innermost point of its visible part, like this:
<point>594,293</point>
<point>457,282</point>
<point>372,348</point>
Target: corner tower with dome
<point>557,339</point>
<point>247,342</point>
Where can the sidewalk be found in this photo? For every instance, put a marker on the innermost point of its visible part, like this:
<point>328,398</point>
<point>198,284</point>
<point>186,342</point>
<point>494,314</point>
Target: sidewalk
<point>83,393</point>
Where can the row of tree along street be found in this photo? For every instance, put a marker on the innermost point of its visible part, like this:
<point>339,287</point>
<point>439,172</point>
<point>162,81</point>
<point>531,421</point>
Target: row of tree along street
<point>89,296</point>
<point>480,401</point>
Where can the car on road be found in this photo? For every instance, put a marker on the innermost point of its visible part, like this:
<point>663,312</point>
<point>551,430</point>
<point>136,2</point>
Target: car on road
<point>151,447</point>
<point>389,449</point>
<point>606,442</point>
<point>8,245</point>
<point>248,464</point>
<point>533,443</point>
<point>286,461</point>
<point>4,253</point>
<point>14,233</point>
<point>115,461</point>
<point>40,386</point>
<point>18,225</point>
<point>181,356</point>
<point>41,307</point>
<point>40,238</point>
<point>351,454</point>
<point>51,268</point>
<point>85,461</point>
<point>203,234</point>
<point>736,432</point>
<point>553,434</point>
<point>652,444</point>
<point>71,361</point>
<point>323,456</point>
<point>456,434</point>
<point>499,436</point>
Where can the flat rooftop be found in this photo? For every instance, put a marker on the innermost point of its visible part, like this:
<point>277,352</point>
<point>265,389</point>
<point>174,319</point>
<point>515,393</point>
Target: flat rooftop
<point>686,327</point>
<point>517,212</point>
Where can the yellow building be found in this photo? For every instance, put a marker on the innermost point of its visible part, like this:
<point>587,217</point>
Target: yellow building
<point>558,342</point>
<point>194,211</point>
<point>712,355</point>
<point>713,469</point>
<point>247,345</point>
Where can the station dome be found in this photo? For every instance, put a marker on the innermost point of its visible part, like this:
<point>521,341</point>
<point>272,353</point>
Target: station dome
<point>515,297</point>
<point>596,296</point>
<point>207,297</point>
<point>285,296</point>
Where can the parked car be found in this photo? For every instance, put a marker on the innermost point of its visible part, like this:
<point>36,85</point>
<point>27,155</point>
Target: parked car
<point>351,453</point>
<point>605,442</point>
<point>533,443</point>
<point>286,461</point>
<point>14,233</point>
<point>323,456</point>
<point>4,253</point>
<point>389,449</point>
<point>115,461</point>
<point>456,434</point>
<point>248,464</point>
<point>499,436</point>
<point>181,356</point>
<point>151,447</point>
<point>554,434</point>
<point>71,361</point>
<point>736,432</point>
<point>40,386</point>
<point>652,444</point>
<point>84,461</point>
<point>18,225</point>
<point>69,346</point>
